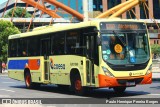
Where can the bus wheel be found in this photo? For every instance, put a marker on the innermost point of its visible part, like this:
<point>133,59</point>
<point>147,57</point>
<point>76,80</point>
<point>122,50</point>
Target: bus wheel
<point>28,80</point>
<point>119,90</point>
<point>78,88</point>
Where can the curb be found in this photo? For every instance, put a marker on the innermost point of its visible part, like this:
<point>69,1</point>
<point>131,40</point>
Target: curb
<point>4,74</point>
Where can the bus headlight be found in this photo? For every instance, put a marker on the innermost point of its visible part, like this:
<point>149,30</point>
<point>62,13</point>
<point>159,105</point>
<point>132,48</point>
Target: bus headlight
<point>107,72</point>
<point>149,70</point>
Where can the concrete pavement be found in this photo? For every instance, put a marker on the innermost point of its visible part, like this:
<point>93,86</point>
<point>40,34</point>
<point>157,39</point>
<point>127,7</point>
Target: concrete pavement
<point>10,88</point>
<point>156,71</point>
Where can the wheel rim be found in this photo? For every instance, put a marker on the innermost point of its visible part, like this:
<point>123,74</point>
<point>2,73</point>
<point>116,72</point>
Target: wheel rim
<point>78,85</point>
<point>28,80</point>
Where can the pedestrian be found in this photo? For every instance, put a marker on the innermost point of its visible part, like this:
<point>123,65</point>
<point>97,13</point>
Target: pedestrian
<point>3,66</point>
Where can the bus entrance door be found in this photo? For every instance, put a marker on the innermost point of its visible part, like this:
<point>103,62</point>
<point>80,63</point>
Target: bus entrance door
<point>45,50</point>
<point>90,60</point>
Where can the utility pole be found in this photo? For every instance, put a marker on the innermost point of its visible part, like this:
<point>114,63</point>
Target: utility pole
<point>85,10</point>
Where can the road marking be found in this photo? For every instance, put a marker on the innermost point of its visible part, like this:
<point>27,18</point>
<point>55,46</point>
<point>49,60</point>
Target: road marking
<point>5,78</point>
<point>3,75</point>
<point>154,94</point>
<point>4,96</point>
<point>8,82</point>
<point>7,90</point>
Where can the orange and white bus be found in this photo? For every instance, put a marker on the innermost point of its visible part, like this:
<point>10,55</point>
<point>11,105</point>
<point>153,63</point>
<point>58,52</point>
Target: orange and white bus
<point>111,53</point>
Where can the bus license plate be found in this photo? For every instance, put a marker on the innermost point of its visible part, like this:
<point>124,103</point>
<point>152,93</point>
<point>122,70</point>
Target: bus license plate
<point>130,83</point>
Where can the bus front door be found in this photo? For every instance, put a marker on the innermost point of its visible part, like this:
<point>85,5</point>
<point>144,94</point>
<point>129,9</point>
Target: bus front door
<point>45,49</point>
<point>90,60</point>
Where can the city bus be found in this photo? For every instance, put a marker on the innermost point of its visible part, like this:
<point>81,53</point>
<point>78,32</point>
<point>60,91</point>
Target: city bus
<point>111,53</point>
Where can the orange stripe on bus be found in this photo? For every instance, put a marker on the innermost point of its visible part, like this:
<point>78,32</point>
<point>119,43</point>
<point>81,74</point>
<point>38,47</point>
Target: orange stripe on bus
<point>33,64</point>
<point>147,79</point>
<point>106,81</point>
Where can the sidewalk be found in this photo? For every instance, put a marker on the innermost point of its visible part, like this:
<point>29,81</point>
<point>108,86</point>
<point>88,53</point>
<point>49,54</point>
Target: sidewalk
<point>156,73</point>
<point>156,69</point>
<point>4,72</point>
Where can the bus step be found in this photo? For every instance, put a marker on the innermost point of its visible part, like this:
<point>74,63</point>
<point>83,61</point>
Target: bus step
<point>92,86</point>
<point>46,81</point>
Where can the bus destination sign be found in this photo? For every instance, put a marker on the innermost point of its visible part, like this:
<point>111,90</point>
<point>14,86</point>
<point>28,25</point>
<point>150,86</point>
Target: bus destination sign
<point>122,26</point>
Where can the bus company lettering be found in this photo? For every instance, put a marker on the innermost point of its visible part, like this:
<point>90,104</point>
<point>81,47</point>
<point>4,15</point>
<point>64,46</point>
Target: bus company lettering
<point>138,73</point>
<point>135,74</point>
<point>74,64</point>
<point>58,66</point>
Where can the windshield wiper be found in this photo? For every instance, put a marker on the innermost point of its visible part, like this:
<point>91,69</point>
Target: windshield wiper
<point>119,38</point>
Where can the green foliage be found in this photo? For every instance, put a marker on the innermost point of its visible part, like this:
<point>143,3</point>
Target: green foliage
<point>155,49</point>
<point>18,13</point>
<point>6,28</point>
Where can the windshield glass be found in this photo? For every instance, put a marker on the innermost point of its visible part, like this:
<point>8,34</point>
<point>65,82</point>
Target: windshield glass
<point>122,48</point>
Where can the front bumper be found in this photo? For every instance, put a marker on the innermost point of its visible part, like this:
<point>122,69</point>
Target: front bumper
<point>106,81</point>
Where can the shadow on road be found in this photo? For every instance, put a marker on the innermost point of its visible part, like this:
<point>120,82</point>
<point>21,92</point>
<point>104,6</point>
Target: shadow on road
<point>157,86</point>
<point>95,93</point>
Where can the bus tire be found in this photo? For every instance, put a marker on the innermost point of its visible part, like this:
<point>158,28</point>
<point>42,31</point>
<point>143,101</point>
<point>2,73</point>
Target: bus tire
<point>77,86</point>
<point>119,90</point>
<point>28,80</point>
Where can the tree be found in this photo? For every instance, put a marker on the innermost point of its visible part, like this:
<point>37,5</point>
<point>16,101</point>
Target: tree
<point>18,13</point>
<point>155,49</point>
<point>6,28</point>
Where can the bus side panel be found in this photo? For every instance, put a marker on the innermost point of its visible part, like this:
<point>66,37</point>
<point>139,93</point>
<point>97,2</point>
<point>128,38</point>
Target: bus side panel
<point>16,74</point>
<point>16,68</point>
<point>36,66</point>
<point>62,65</point>
<point>36,76</point>
<point>96,70</point>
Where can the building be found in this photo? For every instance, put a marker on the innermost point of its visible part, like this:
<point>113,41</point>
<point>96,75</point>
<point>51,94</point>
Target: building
<point>23,23</point>
<point>93,5</point>
<point>97,7</point>
<point>39,14</point>
<point>103,5</point>
<point>154,7</point>
<point>11,4</point>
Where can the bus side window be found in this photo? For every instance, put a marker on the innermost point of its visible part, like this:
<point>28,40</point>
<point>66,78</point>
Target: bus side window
<point>13,48</point>
<point>20,47</point>
<point>58,44</point>
<point>72,42</point>
<point>33,50</point>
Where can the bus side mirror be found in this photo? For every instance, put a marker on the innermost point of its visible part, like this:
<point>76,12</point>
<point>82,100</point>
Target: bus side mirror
<point>98,40</point>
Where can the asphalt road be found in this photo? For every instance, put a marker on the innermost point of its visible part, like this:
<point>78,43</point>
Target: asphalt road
<point>16,89</point>
<point>10,88</point>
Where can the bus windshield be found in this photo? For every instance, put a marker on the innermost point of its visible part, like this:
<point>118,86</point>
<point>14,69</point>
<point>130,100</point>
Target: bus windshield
<point>125,47</point>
